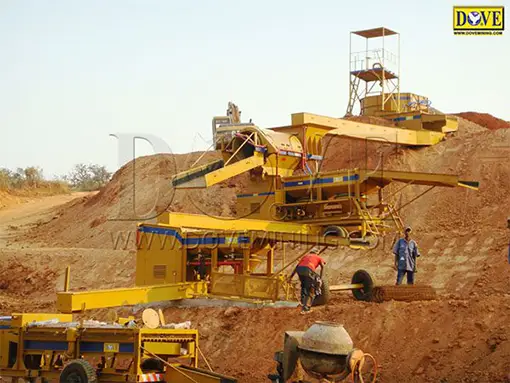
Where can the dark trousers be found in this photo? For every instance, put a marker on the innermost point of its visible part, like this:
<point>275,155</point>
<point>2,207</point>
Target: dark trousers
<point>400,277</point>
<point>307,278</point>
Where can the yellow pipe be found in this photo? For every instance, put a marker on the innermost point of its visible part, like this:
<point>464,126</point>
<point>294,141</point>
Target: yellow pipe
<point>67,278</point>
<point>76,301</point>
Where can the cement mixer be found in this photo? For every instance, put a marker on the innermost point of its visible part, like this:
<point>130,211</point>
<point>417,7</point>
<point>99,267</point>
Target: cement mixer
<point>325,352</point>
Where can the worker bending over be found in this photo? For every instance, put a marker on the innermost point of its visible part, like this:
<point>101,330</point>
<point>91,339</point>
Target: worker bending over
<point>305,269</point>
<point>406,251</point>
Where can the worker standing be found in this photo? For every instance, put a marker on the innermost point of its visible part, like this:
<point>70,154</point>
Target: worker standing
<point>406,251</point>
<point>508,226</point>
<point>305,269</point>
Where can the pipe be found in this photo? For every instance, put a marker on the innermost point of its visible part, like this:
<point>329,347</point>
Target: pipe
<point>347,286</point>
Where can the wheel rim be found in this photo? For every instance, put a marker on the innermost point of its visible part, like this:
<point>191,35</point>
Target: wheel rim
<point>73,377</point>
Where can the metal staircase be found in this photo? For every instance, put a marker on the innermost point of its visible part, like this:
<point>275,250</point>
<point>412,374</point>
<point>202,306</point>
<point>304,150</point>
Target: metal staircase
<point>353,97</point>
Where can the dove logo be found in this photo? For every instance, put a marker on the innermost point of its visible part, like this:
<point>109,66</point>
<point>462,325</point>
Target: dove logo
<point>474,18</point>
<point>478,20</point>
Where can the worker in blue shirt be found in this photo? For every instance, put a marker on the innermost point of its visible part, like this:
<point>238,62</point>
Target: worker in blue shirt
<point>406,251</point>
<point>508,226</point>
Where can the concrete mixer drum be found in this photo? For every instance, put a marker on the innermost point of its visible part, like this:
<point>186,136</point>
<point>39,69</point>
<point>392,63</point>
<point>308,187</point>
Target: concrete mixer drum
<point>325,352</point>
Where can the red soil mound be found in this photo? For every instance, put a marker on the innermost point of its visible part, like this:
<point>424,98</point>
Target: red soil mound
<point>486,120</point>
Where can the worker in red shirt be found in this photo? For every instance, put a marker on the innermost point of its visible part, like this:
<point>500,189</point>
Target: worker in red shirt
<point>305,269</point>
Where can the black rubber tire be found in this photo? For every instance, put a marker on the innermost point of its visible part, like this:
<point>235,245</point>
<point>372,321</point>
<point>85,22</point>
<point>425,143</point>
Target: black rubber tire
<point>78,371</point>
<point>323,299</point>
<point>152,364</point>
<point>363,277</point>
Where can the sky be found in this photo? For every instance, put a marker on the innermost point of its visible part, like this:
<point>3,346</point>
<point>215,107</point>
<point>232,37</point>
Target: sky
<point>74,72</point>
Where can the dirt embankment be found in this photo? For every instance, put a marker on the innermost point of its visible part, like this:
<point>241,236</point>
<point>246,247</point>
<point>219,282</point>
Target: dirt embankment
<point>486,120</point>
<point>30,213</point>
<point>443,341</point>
<point>31,277</point>
<point>138,192</point>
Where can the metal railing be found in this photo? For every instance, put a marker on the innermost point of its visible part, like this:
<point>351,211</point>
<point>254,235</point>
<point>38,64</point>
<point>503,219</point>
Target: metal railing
<point>367,59</point>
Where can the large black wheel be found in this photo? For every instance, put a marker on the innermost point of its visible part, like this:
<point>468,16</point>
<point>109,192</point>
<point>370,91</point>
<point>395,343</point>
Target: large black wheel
<point>325,295</point>
<point>364,278</point>
<point>78,371</point>
<point>152,364</point>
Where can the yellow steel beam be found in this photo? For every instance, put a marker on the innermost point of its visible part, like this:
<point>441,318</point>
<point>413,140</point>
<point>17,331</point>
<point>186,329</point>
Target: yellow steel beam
<point>358,130</point>
<point>194,178</point>
<point>215,172</point>
<point>430,179</point>
<point>19,320</point>
<point>388,134</point>
<point>69,302</point>
<point>386,176</point>
<point>417,178</point>
<point>302,238</point>
<point>234,169</point>
<point>473,185</point>
<point>203,222</point>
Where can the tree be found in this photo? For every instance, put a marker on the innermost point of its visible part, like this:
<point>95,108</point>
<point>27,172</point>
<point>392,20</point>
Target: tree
<point>33,176</point>
<point>18,178</point>
<point>88,177</point>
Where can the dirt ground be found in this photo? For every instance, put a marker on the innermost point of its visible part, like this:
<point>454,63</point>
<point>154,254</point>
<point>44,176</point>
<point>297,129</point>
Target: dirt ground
<point>28,211</point>
<point>461,337</point>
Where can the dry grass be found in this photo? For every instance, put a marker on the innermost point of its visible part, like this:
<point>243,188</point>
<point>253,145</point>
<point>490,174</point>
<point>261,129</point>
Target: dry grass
<point>13,196</point>
<point>42,188</point>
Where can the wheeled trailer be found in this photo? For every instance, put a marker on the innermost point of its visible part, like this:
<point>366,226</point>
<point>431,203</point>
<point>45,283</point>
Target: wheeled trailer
<point>53,347</point>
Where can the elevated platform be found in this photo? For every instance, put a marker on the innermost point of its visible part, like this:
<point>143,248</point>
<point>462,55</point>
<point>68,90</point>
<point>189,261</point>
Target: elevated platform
<point>375,74</point>
<point>205,222</point>
<point>243,237</point>
<point>375,32</point>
